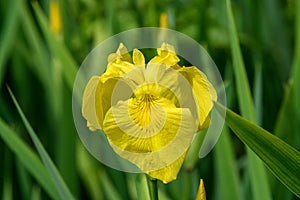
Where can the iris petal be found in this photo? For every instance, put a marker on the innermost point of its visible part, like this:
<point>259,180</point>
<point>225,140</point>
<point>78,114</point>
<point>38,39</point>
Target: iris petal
<point>167,78</point>
<point>166,55</point>
<point>150,137</point>
<point>138,58</point>
<point>104,98</point>
<point>116,69</point>
<point>121,53</point>
<point>204,92</point>
<point>88,103</point>
<point>119,63</point>
<point>169,172</point>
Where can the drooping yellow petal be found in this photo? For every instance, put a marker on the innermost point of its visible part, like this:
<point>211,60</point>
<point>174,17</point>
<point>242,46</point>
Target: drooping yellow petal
<point>166,55</point>
<point>152,135</point>
<point>140,124</point>
<point>203,91</point>
<point>168,173</point>
<point>201,195</point>
<point>88,103</point>
<point>104,96</point>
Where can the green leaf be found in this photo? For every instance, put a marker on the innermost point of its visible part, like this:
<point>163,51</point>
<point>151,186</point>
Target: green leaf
<point>56,177</point>
<point>287,125</point>
<point>226,169</point>
<point>282,159</point>
<point>142,187</point>
<point>40,64</point>
<point>296,65</point>
<point>69,68</point>
<point>243,89</point>
<point>28,159</point>
<point>8,33</point>
<point>87,170</point>
<point>108,187</point>
<point>192,156</point>
<point>7,192</point>
<point>259,182</point>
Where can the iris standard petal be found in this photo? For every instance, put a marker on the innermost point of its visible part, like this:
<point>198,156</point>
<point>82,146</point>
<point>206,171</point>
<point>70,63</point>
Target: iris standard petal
<point>138,58</point>
<point>116,69</point>
<point>166,55</point>
<point>119,63</point>
<point>203,91</point>
<point>167,78</point>
<point>121,53</point>
<point>88,103</point>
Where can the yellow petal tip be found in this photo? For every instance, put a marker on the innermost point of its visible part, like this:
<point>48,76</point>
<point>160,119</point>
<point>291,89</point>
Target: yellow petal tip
<point>201,195</point>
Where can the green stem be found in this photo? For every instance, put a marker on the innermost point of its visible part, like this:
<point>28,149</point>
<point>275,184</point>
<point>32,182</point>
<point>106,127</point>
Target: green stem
<point>152,184</point>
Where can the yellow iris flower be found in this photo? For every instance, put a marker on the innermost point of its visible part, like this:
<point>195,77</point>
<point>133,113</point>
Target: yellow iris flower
<point>149,112</point>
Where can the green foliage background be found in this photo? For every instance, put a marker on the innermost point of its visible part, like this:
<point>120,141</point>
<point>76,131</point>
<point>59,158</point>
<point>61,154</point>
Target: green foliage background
<point>255,44</point>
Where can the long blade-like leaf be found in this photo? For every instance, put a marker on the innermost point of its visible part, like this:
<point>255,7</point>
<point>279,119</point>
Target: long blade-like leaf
<point>69,68</point>
<point>258,176</point>
<point>282,159</point>
<point>226,169</point>
<point>8,33</point>
<point>56,177</point>
<point>296,65</point>
<point>28,159</point>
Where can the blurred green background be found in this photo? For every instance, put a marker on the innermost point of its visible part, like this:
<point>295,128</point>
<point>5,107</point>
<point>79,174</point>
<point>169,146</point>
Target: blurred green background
<point>39,60</point>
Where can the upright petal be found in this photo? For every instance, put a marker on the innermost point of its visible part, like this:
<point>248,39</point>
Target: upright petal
<point>116,69</point>
<point>203,91</point>
<point>166,55</point>
<point>119,63</point>
<point>88,103</point>
<point>138,58</point>
<point>121,53</point>
<point>165,77</point>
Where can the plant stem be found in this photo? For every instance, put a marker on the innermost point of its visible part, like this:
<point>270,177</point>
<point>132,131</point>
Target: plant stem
<point>152,184</point>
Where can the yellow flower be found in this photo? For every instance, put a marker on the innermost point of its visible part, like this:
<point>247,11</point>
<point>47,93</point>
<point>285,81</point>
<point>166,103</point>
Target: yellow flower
<point>149,112</point>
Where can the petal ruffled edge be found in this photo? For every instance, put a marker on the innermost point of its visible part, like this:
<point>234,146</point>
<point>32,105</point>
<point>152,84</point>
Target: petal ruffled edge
<point>119,63</point>
<point>158,153</point>
<point>204,93</point>
<point>121,53</point>
<point>166,55</point>
<point>168,173</point>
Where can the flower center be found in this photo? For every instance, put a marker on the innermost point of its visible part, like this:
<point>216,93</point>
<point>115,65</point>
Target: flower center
<point>144,100</point>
